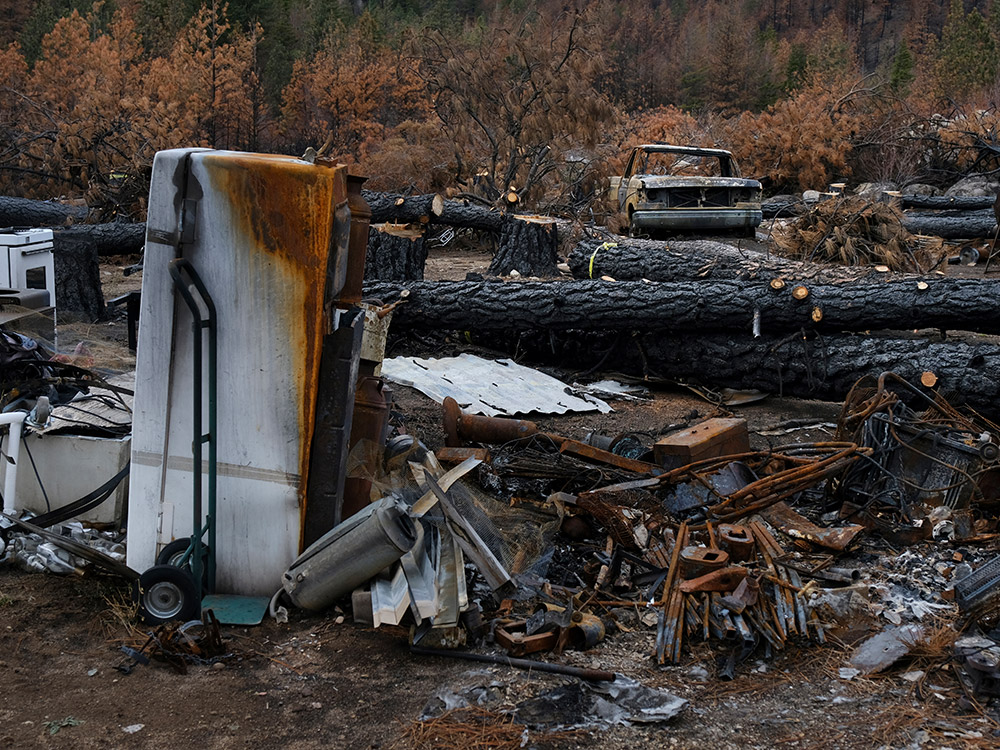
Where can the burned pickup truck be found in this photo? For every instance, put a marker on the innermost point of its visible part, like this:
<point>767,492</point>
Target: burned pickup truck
<point>684,189</point>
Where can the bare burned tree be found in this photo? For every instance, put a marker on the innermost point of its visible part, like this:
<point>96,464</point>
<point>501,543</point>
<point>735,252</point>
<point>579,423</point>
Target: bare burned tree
<point>517,98</point>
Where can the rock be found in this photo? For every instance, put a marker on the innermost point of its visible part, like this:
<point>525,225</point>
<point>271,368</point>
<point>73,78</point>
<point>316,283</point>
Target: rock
<point>874,190</point>
<point>978,184</point>
<point>885,648</point>
<point>920,188</point>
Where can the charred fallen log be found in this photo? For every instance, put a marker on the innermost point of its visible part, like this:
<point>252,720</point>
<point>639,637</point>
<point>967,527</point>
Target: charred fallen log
<point>400,209</point>
<point>956,304</point>
<point>22,212</point>
<point>682,260</point>
<point>807,366</point>
<point>783,206</point>
<point>958,202</point>
<point>952,226</point>
<point>113,238</point>
<point>431,208</point>
<point>470,216</point>
<point>527,245</point>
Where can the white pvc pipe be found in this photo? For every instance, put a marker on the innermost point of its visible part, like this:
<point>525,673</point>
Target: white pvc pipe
<point>16,421</point>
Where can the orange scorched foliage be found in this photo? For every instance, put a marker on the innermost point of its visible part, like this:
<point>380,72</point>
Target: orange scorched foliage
<point>351,93</point>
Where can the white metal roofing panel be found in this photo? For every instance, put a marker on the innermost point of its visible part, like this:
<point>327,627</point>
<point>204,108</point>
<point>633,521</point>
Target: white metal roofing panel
<point>492,388</point>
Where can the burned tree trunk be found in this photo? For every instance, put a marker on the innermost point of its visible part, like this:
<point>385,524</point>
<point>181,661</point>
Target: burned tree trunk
<point>468,215</point>
<point>952,226</point>
<point>400,209</point>
<point>736,306</point>
<point>114,238</point>
<point>77,276</point>
<point>395,253</point>
<point>528,246</point>
<point>431,208</point>
<point>957,202</point>
<point>22,212</point>
<point>687,260</point>
<point>795,365</point>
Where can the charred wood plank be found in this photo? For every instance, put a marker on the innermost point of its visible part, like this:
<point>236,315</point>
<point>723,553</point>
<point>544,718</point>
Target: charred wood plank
<point>736,306</point>
<point>682,260</point>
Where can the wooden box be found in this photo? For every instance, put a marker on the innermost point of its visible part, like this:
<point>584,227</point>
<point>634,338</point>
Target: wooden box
<point>708,439</point>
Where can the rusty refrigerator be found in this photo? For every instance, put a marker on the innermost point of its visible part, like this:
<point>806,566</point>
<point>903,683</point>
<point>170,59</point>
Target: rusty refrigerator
<point>269,237</point>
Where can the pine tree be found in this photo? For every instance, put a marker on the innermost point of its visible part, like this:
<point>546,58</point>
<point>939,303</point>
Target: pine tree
<point>901,75</point>
<point>967,55</point>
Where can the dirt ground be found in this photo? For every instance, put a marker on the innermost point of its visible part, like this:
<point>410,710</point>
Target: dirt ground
<point>322,681</point>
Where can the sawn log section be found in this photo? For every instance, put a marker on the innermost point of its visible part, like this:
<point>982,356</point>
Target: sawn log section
<point>823,366</point>
<point>695,307</point>
<point>680,260</point>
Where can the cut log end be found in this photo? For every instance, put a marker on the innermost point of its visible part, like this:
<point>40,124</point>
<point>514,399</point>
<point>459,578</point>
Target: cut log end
<point>817,315</point>
<point>777,284</point>
<point>800,292</point>
<point>400,230</point>
<point>928,379</point>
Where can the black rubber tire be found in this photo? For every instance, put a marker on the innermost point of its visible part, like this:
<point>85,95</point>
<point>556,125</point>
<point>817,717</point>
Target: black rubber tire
<point>171,554</point>
<point>165,593</point>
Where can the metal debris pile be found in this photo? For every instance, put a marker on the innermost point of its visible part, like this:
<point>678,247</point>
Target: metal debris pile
<point>532,541</point>
<point>179,644</point>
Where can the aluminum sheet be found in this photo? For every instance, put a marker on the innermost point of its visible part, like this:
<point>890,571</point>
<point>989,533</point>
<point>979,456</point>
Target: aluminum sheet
<point>488,387</point>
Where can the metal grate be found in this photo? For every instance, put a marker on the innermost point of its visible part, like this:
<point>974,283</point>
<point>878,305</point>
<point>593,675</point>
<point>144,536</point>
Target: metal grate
<point>982,584</point>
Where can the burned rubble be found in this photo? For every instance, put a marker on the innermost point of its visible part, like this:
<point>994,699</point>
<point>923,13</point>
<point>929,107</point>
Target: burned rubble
<point>511,543</point>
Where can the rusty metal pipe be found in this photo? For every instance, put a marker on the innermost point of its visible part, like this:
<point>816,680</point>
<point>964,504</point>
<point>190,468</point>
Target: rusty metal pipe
<point>460,427</point>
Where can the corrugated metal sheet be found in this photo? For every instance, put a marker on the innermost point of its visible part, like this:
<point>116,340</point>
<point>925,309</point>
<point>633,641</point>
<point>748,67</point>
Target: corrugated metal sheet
<point>492,388</point>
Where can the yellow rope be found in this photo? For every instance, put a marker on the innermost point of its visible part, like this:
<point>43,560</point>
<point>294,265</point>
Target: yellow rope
<point>600,247</point>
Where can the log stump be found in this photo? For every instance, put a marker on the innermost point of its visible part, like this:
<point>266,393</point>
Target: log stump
<point>396,252</point>
<point>78,276</point>
<point>527,245</point>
